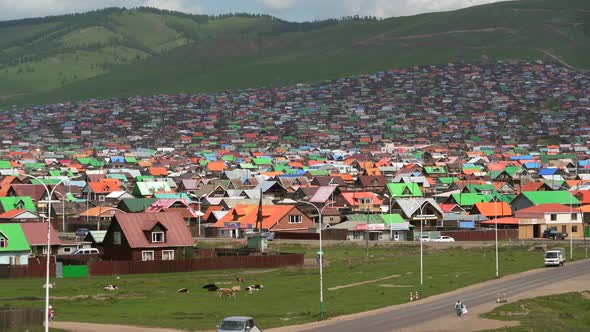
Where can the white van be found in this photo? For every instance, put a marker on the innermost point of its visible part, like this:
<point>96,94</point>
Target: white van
<point>555,257</point>
<point>87,251</point>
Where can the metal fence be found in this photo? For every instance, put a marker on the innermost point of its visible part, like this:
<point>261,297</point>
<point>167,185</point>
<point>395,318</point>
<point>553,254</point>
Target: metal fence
<point>21,319</point>
<point>482,235</point>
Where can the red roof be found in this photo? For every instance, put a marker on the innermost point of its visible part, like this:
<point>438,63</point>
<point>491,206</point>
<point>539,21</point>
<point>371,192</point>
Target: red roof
<point>541,209</point>
<point>36,233</point>
<point>136,225</point>
<point>501,221</point>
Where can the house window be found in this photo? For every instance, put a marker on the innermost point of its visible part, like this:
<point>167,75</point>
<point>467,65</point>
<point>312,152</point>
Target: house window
<point>574,229</point>
<point>167,255</point>
<point>66,250</point>
<point>553,217</point>
<point>44,250</point>
<point>3,242</point>
<point>147,255</point>
<point>157,237</point>
<point>116,237</point>
<point>574,216</point>
<point>295,220</point>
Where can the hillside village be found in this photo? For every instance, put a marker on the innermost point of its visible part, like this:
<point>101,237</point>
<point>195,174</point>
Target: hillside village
<point>504,146</point>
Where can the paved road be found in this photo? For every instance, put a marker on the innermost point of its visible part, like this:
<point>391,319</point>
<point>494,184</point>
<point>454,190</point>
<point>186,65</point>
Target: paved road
<point>403,317</point>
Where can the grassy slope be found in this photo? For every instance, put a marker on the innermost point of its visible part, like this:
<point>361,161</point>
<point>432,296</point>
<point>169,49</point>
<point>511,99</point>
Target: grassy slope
<point>564,312</point>
<point>169,53</point>
<point>289,296</point>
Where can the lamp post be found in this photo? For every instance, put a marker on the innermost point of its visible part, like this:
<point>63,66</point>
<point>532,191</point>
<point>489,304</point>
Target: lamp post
<point>389,211</point>
<point>495,199</point>
<point>199,213</point>
<point>571,223</point>
<point>320,253</point>
<point>421,216</point>
<point>49,200</point>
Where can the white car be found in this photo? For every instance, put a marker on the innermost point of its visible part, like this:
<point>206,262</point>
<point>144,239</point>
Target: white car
<point>443,239</point>
<point>424,238</point>
<point>238,323</point>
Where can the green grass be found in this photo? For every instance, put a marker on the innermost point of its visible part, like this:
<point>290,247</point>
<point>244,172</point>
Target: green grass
<point>563,312</point>
<point>164,52</point>
<point>290,296</point>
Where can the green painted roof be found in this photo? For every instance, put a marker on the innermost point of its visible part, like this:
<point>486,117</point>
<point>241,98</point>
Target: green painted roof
<point>130,160</point>
<point>262,161</point>
<point>551,197</point>
<point>392,219</point>
<point>136,204</point>
<point>446,179</point>
<point>470,198</point>
<point>404,189</point>
<point>318,172</point>
<point>16,238</point>
<point>5,164</point>
<point>435,170</point>
<point>14,202</point>
<point>373,218</point>
<point>247,166</point>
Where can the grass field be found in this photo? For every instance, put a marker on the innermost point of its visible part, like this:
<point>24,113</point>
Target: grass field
<point>290,296</point>
<point>119,52</point>
<point>564,312</point>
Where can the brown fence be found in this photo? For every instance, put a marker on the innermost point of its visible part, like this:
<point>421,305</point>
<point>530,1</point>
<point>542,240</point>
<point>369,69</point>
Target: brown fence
<point>35,269</point>
<point>482,235</point>
<point>21,319</point>
<point>327,234</point>
<point>198,264</point>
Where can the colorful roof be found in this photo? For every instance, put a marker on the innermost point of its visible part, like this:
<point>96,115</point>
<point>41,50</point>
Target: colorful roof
<point>15,236</point>
<point>135,226</point>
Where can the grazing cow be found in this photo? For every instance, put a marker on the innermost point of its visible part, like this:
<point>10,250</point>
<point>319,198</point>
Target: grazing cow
<point>240,279</point>
<point>252,288</point>
<point>211,287</point>
<point>50,285</point>
<point>110,287</point>
<point>225,293</point>
<point>236,288</point>
<point>182,290</point>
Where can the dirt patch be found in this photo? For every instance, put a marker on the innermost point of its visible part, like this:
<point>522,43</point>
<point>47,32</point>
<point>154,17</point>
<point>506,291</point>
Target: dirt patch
<point>363,282</point>
<point>513,313</point>
<point>382,39</point>
<point>586,294</point>
<point>396,286</point>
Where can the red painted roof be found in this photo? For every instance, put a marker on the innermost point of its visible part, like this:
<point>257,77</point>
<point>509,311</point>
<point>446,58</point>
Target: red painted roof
<point>135,226</point>
<point>541,209</point>
<point>501,221</point>
<point>36,233</point>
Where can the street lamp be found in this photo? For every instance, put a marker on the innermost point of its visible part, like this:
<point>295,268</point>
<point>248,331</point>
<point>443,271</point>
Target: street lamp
<point>49,200</point>
<point>320,253</point>
<point>199,213</point>
<point>422,216</point>
<point>495,199</point>
<point>571,224</point>
<point>389,211</point>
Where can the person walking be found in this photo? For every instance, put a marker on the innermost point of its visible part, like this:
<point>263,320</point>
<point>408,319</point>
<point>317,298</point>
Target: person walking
<point>459,308</point>
<point>51,313</point>
<point>463,309</point>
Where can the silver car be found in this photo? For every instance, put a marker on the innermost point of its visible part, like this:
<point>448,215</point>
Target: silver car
<point>238,323</point>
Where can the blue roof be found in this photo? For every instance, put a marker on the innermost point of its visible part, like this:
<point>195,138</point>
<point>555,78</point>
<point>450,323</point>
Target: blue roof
<point>532,165</point>
<point>548,171</point>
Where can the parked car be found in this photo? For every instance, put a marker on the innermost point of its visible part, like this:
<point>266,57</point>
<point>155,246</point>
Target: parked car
<point>87,251</point>
<point>82,232</point>
<point>269,235</point>
<point>423,238</point>
<point>238,323</point>
<point>552,233</point>
<point>443,239</point>
<point>555,257</point>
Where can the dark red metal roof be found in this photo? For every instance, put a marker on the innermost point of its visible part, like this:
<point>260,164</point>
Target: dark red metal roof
<point>36,233</point>
<point>136,225</point>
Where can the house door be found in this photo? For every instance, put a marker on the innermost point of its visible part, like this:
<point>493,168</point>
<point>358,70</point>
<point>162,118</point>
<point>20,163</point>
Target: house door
<point>536,231</point>
<point>395,236</point>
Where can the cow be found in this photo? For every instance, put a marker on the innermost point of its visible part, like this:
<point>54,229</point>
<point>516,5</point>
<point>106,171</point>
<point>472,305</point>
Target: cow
<point>182,290</point>
<point>225,293</point>
<point>211,287</point>
<point>110,287</point>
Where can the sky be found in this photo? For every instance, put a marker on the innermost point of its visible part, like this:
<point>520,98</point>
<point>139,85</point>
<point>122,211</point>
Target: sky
<point>291,10</point>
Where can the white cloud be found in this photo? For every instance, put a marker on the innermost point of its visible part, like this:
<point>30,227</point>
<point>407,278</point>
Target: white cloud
<point>278,5</point>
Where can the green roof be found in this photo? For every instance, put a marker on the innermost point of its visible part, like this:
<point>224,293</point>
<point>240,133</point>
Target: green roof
<point>136,204</point>
<point>470,198</point>
<point>17,202</point>
<point>5,164</point>
<point>318,172</point>
<point>373,218</point>
<point>392,219</point>
<point>551,197</point>
<point>247,166</point>
<point>446,179</point>
<point>262,161</point>
<point>435,170</point>
<point>16,238</point>
<point>404,189</point>
<point>130,160</point>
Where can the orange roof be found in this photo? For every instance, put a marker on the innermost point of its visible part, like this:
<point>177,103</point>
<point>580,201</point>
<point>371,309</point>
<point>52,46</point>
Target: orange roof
<point>501,221</point>
<point>352,197</point>
<point>103,211</point>
<point>144,163</point>
<point>373,171</point>
<point>103,187</point>
<point>247,214</point>
<point>493,209</point>
<point>295,164</point>
<point>216,166</point>
<point>158,171</point>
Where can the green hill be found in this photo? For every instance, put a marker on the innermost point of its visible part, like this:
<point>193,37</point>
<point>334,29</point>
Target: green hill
<point>120,52</point>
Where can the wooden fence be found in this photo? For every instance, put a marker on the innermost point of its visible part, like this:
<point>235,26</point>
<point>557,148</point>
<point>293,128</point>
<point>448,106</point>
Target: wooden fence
<point>327,234</point>
<point>35,269</point>
<point>21,319</point>
<point>482,235</point>
<point>198,264</point>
